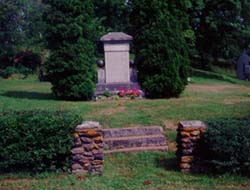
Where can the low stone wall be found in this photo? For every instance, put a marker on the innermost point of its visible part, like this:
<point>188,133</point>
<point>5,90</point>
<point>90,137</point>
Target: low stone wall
<point>188,135</point>
<point>90,140</point>
<point>87,152</point>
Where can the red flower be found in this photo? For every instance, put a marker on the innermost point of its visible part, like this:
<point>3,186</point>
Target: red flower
<point>130,93</point>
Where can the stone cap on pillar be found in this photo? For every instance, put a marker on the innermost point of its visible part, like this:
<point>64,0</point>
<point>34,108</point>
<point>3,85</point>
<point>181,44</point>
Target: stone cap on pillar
<point>88,125</point>
<point>116,36</point>
<point>192,124</point>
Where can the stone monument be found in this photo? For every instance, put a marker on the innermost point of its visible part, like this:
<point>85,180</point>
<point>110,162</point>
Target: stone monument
<point>243,66</point>
<point>116,71</point>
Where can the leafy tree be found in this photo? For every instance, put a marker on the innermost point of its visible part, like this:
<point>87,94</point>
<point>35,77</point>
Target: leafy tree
<point>222,28</point>
<point>114,14</point>
<point>34,26</point>
<point>70,36</point>
<point>160,46</point>
<point>21,28</point>
<point>10,17</point>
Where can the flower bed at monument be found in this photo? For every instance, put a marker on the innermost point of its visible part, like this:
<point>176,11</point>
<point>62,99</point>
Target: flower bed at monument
<point>130,93</point>
<point>121,94</point>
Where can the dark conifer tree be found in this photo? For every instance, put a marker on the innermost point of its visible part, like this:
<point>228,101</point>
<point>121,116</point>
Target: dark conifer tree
<point>160,47</point>
<point>70,37</point>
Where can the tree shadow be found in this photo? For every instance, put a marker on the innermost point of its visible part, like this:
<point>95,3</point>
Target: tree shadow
<point>170,164</point>
<point>29,95</point>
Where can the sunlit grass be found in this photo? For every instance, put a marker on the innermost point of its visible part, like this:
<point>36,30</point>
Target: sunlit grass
<point>203,99</point>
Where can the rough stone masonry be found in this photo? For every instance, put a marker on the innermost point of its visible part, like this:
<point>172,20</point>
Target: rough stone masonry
<point>87,152</point>
<point>188,136</point>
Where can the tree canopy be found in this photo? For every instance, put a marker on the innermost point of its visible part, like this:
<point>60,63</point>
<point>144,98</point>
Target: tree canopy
<point>222,28</point>
<point>207,30</point>
<point>21,28</point>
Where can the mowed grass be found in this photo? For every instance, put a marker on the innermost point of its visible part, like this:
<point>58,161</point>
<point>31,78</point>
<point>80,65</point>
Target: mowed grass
<point>154,171</point>
<point>203,99</point>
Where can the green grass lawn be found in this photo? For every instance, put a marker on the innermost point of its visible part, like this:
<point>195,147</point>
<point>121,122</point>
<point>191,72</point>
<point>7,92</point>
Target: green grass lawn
<point>154,171</point>
<point>203,99</point>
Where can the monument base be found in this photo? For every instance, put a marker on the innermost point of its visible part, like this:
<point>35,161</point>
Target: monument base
<point>114,88</point>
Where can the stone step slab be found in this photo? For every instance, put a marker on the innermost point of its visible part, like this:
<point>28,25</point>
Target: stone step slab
<point>132,131</point>
<point>137,149</point>
<point>134,141</point>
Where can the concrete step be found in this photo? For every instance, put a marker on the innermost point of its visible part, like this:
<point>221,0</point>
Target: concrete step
<point>132,131</point>
<point>138,149</point>
<point>134,141</point>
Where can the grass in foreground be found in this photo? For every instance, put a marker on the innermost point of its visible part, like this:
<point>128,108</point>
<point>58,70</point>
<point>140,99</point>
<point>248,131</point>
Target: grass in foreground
<point>155,171</point>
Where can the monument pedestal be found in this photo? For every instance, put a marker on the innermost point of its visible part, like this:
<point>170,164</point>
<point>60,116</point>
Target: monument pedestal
<point>114,88</point>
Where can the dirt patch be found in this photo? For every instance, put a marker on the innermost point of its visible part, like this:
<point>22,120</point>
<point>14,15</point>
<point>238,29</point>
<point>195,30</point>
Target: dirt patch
<point>170,125</point>
<point>238,186</point>
<point>213,88</point>
<point>19,184</point>
<point>172,146</point>
<point>133,125</point>
<point>230,101</point>
<point>110,110</point>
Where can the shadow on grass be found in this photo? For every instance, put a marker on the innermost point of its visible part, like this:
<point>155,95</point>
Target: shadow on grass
<point>214,75</point>
<point>29,95</point>
<point>169,164</point>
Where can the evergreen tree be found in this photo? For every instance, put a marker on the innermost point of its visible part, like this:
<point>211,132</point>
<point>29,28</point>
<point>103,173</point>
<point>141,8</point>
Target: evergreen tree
<point>70,36</point>
<point>160,47</point>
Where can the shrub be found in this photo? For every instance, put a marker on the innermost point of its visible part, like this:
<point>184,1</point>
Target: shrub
<point>8,71</point>
<point>70,36</point>
<point>106,93</point>
<point>160,47</point>
<point>24,71</point>
<point>36,140</point>
<point>226,145</point>
<point>28,59</point>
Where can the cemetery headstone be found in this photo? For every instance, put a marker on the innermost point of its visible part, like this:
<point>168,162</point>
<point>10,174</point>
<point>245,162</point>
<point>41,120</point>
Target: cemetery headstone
<point>116,71</point>
<point>243,66</point>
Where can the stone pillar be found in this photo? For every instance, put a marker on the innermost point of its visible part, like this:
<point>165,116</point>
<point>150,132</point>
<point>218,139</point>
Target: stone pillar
<point>87,152</point>
<point>188,135</point>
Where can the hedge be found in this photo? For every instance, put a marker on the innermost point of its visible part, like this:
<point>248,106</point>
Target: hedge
<point>36,140</point>
<point>226,146</point>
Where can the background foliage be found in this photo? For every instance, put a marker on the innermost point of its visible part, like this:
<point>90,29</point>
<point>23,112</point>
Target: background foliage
<point>114,14</point>
<point>215,32</point>
<point>21,29</point>
<point>222,29</point>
